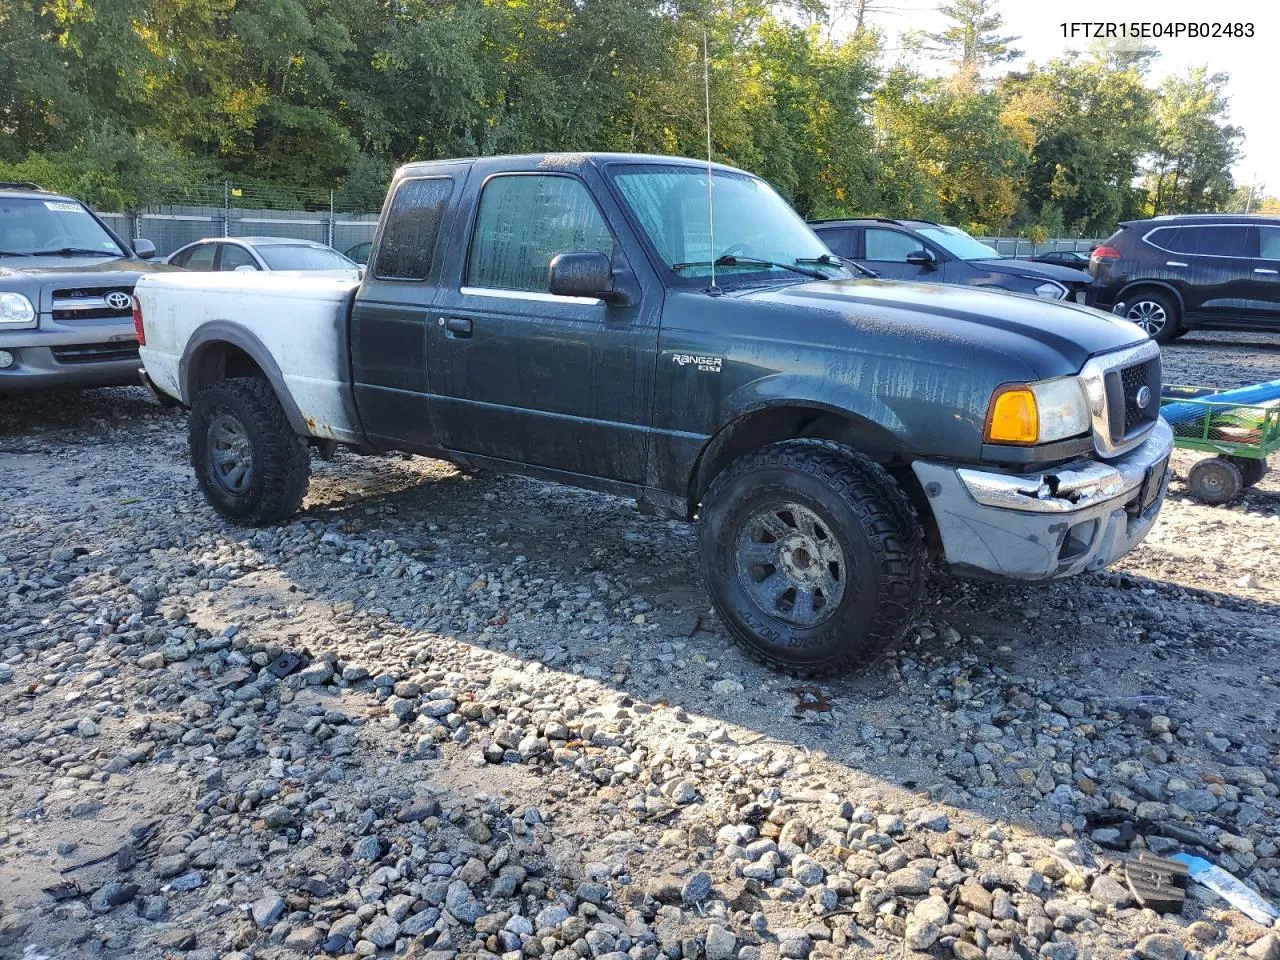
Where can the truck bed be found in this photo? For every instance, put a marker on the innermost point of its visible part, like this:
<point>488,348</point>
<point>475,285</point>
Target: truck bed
<point>301,320</point>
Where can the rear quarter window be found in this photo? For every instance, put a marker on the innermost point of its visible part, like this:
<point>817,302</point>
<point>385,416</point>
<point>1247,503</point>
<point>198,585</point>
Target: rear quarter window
<point>408,240</point>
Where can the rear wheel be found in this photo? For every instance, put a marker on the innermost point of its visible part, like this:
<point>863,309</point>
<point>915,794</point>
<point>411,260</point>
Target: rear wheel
<point>249,463</point>
<point>812,555</point>
<point>1215,480</point>
<point>1251,470</point>
<point>1156,313</point>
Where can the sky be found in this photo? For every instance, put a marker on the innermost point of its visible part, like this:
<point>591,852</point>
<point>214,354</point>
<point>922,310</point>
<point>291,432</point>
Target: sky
<point>1250,62</point>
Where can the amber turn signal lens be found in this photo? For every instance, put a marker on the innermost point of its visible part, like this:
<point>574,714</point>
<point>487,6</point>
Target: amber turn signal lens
<point>1013,417</point>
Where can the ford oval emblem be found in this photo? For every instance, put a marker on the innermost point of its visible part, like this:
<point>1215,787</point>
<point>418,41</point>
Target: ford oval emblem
<point>118,300</point>
<point>1142,397</point>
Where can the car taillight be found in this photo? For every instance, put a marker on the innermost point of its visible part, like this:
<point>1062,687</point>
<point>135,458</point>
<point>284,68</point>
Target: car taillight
<point>137,323</point>
<point>1105,253</point>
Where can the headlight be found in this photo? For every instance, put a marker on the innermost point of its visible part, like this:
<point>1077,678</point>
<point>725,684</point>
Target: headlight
<point>1051,290</point>
<point>16,309</point>
<point>1038,412</point>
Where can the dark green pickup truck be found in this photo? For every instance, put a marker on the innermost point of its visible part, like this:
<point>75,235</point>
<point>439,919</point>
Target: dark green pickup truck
<point>586,319</point>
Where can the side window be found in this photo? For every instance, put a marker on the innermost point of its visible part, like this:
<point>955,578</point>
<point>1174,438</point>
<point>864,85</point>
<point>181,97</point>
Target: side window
<point>201,257</point>
<point>525,221</point>
<point>839,242</point>
<point>1215,241</point>
<point>413,222</point>
<point>1166,238</point>
<point>1269,243</point>
<point>234,256</point>
<point>890,246</point>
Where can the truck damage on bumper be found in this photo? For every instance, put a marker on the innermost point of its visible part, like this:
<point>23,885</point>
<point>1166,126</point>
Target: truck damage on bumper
<point>1080,516</point>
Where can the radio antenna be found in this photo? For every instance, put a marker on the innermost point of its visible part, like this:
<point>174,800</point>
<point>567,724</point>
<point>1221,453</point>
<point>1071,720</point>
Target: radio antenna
<point>706,97</point>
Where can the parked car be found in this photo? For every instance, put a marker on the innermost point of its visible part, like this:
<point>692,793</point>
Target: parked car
<point>249,254</point>
<point>66,293</point>
<point>1076,259</point>
<point>1174,274</point>
<point>928,252</point>
<point>567,317</point>
<point>360,252</point>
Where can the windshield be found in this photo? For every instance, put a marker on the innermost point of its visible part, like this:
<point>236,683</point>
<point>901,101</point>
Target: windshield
<point>752,224</point>
<point>30,225</point>
<point>959,244</point>
<point>299,256</point>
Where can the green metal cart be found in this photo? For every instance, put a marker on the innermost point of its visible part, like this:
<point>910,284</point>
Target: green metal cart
<point>1241,436</point>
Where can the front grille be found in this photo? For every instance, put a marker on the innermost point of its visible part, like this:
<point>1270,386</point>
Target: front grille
<point>96,352</point>
<point>92,303</point>
<point>1128,417</point>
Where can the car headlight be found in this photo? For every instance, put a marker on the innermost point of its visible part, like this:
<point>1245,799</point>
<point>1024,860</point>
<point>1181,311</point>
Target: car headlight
<point>17,310</point>
<point>1050,290</point>
<point>1027,413</point>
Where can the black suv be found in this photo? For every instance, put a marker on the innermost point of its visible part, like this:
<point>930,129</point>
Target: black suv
<point>928,252</point>
<point>1171,274</point>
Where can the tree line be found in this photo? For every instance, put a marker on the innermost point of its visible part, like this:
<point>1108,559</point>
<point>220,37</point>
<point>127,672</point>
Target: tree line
<point>123,102</point>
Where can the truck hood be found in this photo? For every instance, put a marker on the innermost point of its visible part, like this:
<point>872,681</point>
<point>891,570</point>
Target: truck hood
<point>1049,338</point>
<point>70,268</point>
<point>1029,268</point>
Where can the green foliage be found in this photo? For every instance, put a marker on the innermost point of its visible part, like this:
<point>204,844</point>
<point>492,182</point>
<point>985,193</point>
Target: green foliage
<point>134,101</point>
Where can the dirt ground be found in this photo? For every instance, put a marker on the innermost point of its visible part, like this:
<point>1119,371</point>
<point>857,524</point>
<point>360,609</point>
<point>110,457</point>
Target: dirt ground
<point>1035,715</point>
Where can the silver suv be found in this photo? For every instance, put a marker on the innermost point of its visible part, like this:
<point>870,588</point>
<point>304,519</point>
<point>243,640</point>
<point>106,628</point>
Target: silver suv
<point>66,293</point>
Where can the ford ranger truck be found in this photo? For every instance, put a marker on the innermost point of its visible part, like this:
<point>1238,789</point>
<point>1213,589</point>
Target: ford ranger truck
<point>66,294</point>
<point>587,319</point>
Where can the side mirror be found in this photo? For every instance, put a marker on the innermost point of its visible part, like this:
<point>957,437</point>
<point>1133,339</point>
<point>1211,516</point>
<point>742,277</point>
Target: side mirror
<point>581,274</point>
<point>922,258</point>
<point>144,249</point>
<point>246,268</point>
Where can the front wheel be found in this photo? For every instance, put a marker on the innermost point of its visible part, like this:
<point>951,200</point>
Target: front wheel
<point>812,555</point>
<point>249,463</point>
<point>1156,313</point>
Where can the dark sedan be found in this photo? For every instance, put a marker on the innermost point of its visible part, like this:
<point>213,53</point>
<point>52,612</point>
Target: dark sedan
<point>927,252</point>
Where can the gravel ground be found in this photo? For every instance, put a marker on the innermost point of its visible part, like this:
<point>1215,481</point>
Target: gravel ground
<point>519,732</point>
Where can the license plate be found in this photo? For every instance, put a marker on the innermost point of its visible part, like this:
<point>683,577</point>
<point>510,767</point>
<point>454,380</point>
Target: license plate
<point>1081,296</point>
<point>1154,482</point>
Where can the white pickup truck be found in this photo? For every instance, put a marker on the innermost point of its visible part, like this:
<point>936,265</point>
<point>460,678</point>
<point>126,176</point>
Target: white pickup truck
<point>566,317</point>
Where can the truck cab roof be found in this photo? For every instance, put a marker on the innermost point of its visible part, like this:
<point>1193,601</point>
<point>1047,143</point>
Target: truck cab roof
<point>569,162</point>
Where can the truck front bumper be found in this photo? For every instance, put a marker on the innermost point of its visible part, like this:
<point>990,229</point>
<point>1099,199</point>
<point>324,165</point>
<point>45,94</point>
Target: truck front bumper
<point>1080,516</point>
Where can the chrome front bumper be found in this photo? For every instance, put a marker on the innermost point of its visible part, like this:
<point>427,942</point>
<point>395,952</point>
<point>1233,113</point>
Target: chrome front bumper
<point>1080,516</point>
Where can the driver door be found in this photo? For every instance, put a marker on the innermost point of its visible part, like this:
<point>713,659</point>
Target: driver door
<point>885,251</point>
<point>527,376</point>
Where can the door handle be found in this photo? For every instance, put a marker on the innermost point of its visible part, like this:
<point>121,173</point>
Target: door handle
<point>1266,270</point>
<point>457,326</point>
<point>1174,263</point>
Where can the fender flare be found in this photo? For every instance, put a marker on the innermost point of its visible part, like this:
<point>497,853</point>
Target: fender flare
<point>1159,285</point>
<point>226,332</point>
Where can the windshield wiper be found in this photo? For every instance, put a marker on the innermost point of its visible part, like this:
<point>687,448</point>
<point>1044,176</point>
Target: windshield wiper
<point>731,260</point>
<point>838,261</point>
<point>73,252</point>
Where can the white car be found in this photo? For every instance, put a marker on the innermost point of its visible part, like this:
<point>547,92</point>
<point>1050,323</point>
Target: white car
<point>272,254</point>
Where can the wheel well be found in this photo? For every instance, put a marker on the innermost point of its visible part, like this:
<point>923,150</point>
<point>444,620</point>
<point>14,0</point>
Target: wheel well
<point>1127,293</point>
<point>220,360</point>
<point>755,430</point>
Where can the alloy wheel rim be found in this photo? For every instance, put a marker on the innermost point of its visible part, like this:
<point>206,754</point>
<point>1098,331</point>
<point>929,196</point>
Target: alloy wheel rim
<point>230,453</point>
<point>1149,315</point>
<point>790,564</point>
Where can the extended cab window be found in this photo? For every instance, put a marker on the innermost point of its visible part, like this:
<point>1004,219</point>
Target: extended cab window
<point>413,222</point>
<point>890,246</point>
<point>524,222</point>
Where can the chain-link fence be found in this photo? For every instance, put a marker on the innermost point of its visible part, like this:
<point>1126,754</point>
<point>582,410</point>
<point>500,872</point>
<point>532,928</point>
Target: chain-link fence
<point>1022,247</point>
<point>172,227</point>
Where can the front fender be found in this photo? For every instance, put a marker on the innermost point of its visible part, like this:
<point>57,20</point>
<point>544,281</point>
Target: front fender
<point>823,396</point>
